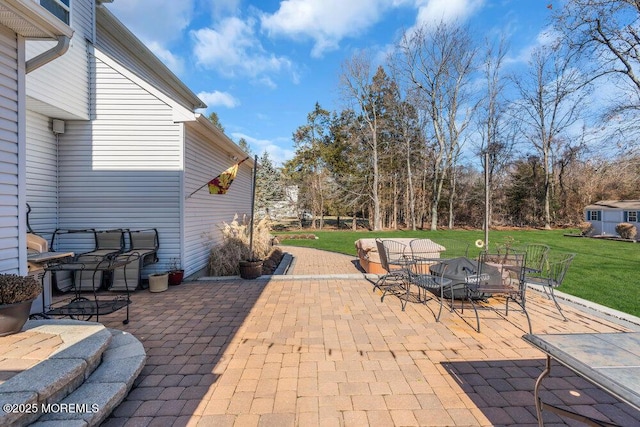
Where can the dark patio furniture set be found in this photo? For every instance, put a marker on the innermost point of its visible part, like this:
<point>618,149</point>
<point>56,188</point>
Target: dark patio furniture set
<point>607,360</point>
<point>113,263</point>
<point>448,273</point>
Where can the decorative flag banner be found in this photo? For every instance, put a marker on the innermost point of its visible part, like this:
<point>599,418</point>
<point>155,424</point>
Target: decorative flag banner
<point>221,183</point>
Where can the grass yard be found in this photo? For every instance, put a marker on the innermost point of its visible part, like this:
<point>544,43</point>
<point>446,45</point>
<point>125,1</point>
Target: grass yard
<point>606,272</point>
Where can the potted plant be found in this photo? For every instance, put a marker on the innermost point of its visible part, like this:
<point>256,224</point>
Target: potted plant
<point>16,295</point>
<point>250,268</point>
<point>176,273</point>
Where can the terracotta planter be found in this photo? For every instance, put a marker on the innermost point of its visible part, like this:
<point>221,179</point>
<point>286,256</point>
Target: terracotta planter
<point>250,269</point>
<point>13,317</point>
<point>175,277</point>
<point>158,282</point>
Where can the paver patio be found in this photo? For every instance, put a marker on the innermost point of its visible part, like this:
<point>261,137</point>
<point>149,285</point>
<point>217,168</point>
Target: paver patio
<point>327,351</point>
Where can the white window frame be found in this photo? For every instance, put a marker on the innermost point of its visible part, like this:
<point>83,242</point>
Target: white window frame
<point>63,5</point>
<point>632,216</point>
<point>593,215</point>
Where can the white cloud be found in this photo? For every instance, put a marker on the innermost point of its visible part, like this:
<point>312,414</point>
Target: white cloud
<point>546,37</point>
<point>326,22</point>
<point>432,12</point>
<point>175,63</point>
<point>231,47</point>
<point>154,20</point>
<point>223,7</point>
<point>277,153</point>
<point>164,22</point>
<point>219,99</point>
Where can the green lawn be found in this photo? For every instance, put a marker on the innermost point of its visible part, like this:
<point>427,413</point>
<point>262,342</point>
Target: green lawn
<point>604,271</point>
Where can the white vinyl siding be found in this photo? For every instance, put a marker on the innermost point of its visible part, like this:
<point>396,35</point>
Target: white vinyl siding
<point>42,185</point>
<point>109,41</point>
<point>122,169</point>
<point>83,19</point>
<point>9,157</point>
<point>61,87</point>
<point>204,212</point>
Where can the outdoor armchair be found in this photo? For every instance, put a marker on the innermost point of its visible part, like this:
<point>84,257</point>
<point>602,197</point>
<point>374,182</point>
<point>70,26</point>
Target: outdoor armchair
<point>395,258</point>
<point>552,275</point>
<point>432,284</point>
<point>143,244</point>
<point>497,275</point>
<point>453,248</point>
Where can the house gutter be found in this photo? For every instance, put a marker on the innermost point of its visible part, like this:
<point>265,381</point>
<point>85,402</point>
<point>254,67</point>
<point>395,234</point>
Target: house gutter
<point>49,55</point>
<point>32,21</point>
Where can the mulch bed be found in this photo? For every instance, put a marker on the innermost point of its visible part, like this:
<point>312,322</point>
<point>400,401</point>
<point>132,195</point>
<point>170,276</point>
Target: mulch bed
<point>272,262</point>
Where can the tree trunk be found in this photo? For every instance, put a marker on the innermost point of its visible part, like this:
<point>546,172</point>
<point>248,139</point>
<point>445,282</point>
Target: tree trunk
<point>547,192</point>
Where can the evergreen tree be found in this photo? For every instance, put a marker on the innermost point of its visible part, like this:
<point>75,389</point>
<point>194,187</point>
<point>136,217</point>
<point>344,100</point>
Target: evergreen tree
<point>213,118</point>
<point>244,145</point>
<point>269,186</point>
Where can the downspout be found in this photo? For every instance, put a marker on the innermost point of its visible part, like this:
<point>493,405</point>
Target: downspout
<point>49,55</point>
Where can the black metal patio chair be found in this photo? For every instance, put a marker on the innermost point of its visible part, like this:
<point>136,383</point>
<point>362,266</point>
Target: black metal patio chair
<point>395,258</point>
<point>552,275</point>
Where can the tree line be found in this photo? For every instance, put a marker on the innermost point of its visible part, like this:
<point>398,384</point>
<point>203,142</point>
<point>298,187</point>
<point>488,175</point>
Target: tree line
<point>421,136</point>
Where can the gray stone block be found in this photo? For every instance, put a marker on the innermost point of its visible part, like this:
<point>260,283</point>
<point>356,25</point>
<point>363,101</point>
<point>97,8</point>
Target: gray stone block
<point>90,348</point>
<point>123,345</point>
<point>121,370</point>
<point>95,401</point>
<point>17,398</point>
<point>60,423</point>
<point>51,379</point>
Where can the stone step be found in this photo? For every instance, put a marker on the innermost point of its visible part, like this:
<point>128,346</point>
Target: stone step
<point>105,389</point>
<point>80,383</point>
<point>57,376</point>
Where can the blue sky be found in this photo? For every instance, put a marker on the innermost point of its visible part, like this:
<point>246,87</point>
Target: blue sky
<point>262,65</point>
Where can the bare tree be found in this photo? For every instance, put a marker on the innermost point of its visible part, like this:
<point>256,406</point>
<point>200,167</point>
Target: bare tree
<point>494,126</point>
<point>360,94</point>
<point>439,62</point>
<point>550,96</point>
<point>605,34</point>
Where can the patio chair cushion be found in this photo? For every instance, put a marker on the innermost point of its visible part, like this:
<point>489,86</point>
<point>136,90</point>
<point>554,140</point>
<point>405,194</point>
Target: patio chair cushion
<point>366,249</point>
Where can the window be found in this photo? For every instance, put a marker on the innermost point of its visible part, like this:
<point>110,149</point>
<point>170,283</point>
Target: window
<point>60,8</point>
<point>631,216</point>
<point>594,215</point>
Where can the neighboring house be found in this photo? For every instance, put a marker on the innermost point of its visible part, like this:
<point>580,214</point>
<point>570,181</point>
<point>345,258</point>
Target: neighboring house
<point>606,214</point>
<point>20,20</point>
<point>116,143</point>
<point>282,209</point>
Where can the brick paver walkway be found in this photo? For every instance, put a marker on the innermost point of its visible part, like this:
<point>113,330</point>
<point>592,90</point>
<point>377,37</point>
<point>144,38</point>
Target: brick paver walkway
<point>19,352</point>
<point>328,352</point>
<point>316,262</point>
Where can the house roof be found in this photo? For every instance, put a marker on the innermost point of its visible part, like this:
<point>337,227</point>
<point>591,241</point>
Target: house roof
<point>630,205</point>
<point>31,20</point>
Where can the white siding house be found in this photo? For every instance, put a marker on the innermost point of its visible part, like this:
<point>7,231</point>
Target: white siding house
<point>132,148</point>
<point>606,214</point>
<point>20,20</point>
<point>202,156</point>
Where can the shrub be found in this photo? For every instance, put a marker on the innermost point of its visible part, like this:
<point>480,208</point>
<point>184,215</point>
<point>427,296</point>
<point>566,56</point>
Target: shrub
<point>297,236</point>
<point>14,288</point>
<point>224,258</point>
<point>586,228</point>
<point>272,261</point>
<point>626,230</point>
